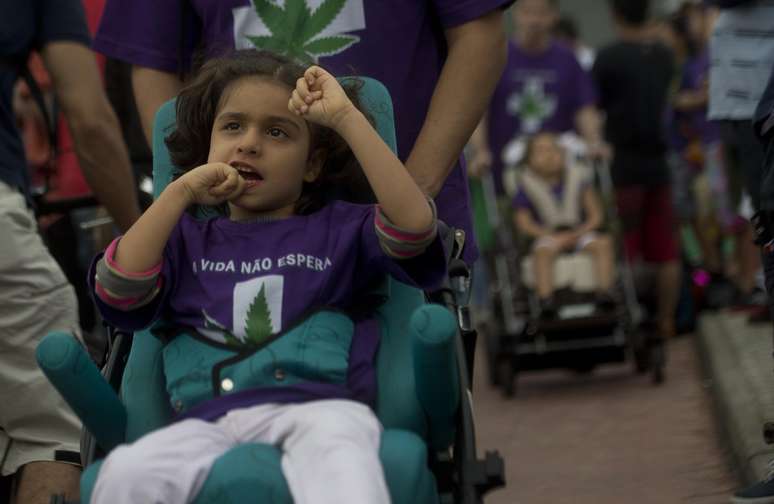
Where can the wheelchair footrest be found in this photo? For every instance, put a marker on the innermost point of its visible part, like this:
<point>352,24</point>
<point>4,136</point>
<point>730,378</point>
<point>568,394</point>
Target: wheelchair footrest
<point>489,473</point>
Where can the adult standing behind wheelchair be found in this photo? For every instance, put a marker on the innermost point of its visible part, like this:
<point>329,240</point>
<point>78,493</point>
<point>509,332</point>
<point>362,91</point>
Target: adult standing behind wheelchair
<point>557,207</point>
<point>38,432</point>
<point>258,133</point>
<point>439,59</point>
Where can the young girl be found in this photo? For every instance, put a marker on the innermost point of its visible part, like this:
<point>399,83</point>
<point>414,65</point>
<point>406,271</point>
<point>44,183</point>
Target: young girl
<point>556,205</point>
<point>269,139</point>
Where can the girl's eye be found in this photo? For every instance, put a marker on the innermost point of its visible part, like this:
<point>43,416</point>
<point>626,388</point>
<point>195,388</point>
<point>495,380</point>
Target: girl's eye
<point>276,133</point>
<point>231,126</point>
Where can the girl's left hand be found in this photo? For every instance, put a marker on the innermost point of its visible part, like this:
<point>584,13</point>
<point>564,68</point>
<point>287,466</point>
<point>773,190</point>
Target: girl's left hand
<point>319,98</point>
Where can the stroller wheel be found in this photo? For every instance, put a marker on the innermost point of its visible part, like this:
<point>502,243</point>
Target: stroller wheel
<point>506,376</point>
<point>584,369</point>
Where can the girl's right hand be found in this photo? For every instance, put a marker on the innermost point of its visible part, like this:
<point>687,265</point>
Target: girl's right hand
<point>212,184</point>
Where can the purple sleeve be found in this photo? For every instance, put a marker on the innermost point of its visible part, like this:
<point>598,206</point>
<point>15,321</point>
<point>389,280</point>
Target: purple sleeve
<point>457,12</point>
<point>146,33</point>
<point>144,316</point>
<point>425,271</point>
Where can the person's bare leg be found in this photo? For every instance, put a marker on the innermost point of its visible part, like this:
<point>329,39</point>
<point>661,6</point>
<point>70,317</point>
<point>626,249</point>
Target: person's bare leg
<point>543,261</point>
<point>668,289</point>
<point>749,260</point>
<point>706,229</point>
<point>601,250</point>
<point>40,480</point>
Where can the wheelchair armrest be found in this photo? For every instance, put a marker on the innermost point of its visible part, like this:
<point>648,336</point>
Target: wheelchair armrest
<point>71,371</point>
<point>433,330</point>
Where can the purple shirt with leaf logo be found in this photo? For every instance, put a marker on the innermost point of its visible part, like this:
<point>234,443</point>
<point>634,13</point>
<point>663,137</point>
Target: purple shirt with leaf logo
<point>537,92</point>
<point>399,42</point>
<point>238,282</point>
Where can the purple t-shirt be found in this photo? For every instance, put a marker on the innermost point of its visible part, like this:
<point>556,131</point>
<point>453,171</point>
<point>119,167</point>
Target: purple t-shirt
<point>405,50</point>
<point>250,280</point>
<point>537,92</point>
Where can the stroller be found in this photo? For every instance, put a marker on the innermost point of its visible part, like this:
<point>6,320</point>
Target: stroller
<point>582,336</point>
<point>428,447</point>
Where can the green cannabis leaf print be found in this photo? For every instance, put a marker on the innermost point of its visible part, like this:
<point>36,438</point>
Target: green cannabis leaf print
<point>294,28</point>
<point>258,327</point>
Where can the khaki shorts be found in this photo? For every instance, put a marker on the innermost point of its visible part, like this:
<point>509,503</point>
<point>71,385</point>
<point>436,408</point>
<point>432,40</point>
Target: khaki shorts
<point>35,299</point>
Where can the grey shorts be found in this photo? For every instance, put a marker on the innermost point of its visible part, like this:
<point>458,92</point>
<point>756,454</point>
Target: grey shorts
<point>35,299</point>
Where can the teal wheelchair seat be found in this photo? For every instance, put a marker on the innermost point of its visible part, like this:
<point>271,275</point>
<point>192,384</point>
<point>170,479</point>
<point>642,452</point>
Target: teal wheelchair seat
<point>422,391</point>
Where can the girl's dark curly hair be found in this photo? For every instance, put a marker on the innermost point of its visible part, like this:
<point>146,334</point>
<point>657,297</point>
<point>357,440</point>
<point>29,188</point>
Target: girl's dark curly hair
<point>197,105</point>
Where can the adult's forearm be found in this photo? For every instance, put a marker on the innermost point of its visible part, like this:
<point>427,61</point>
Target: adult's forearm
<point>479,138</point>
<point>589,124</point>
<point>152,88</point>
<point>401,200</point>
<point>476,58</point>
<point>106,167</point>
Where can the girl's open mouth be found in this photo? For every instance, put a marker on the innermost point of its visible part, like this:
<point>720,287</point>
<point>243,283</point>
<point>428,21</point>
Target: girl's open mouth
<point>250,175</point>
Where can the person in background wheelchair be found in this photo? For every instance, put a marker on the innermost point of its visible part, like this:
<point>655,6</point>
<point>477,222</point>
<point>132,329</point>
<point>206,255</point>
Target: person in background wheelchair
<point>267,139</point>
<point>558,209</point>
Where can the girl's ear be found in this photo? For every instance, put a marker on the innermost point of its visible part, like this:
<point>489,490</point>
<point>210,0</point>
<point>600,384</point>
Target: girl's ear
<point>314,165</point>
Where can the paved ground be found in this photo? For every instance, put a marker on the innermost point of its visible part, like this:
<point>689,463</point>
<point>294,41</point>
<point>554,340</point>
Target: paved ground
<point>610,437</point>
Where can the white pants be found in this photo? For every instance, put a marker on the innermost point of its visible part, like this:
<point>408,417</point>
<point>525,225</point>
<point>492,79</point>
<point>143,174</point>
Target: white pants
<point>330,455</point>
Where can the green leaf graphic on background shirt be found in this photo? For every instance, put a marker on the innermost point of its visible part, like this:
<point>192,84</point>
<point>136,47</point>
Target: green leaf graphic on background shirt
<point>293,29</point>
<point>258,326</point>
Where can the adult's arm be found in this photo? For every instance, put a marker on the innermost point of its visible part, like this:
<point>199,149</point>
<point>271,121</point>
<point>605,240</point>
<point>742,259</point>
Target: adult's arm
<point>152,88</point>
<point>101,152</point>
<point>481,160</point>
<point>477,52</point>
<point>589,124</point>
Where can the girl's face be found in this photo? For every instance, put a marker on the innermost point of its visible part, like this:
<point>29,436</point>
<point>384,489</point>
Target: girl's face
<point>255,133</point>
<point>546,156</point>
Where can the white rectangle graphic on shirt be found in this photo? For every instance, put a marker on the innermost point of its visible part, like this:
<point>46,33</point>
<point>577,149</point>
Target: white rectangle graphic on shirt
<point>245,294</point>
<point>247,22</point>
